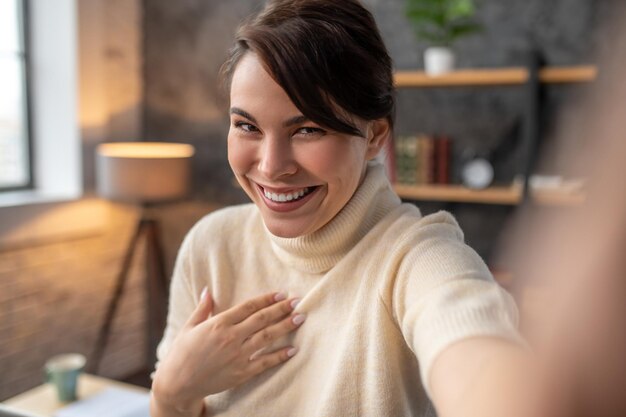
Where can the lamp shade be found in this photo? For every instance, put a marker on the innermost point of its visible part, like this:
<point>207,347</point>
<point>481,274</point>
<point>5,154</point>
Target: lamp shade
<point>143,172</point>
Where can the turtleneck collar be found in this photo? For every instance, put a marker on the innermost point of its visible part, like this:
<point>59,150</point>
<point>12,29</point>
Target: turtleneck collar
<point>321,250</point>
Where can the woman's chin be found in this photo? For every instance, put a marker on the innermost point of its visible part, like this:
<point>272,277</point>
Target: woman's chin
<point>285,229</point>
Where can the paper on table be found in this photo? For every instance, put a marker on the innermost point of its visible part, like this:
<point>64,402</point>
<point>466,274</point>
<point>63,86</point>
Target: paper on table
<point>111,402</point>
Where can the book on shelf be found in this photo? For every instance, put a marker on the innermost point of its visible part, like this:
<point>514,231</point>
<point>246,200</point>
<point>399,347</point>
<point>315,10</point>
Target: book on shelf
<point>406,159</point>
<point>425,159</point>
<point>422,159</point>
<point>442,162</point>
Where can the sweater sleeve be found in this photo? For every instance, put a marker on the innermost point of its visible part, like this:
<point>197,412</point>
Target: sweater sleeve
<point>444,293</point>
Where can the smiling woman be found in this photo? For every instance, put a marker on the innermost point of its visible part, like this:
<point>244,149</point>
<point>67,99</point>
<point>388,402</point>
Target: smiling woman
<point>384,291</point>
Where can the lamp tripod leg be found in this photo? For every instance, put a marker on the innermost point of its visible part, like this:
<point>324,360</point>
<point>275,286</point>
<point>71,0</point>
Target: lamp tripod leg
<point>105,328</point>
<point>156,290</point>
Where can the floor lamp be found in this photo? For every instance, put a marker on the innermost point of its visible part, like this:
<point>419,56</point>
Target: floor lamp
<point>143,173</point>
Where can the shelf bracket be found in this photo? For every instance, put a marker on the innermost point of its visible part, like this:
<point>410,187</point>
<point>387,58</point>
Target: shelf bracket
<point>531,127</point>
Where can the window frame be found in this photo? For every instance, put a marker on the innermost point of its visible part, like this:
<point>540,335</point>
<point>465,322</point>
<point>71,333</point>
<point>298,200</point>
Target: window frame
<point>23,9</point>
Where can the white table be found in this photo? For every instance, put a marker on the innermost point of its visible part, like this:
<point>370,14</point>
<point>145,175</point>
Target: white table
<point>42,400</point>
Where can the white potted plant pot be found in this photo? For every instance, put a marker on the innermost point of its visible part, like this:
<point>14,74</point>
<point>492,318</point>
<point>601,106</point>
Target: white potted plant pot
<point>438,60</point>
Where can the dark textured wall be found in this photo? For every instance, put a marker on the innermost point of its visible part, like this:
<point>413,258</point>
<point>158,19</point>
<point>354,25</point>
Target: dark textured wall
<point>186,42</point>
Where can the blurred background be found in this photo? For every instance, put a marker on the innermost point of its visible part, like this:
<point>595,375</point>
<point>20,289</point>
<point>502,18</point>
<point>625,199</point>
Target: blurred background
<point>78,73</point>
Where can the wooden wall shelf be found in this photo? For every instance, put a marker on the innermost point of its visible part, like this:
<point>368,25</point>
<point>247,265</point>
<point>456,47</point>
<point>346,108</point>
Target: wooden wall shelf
<point>495,76</point>
<point>507,195</point>
<point>467,77</point>
<point>561,75</point>
<point>558,197</point>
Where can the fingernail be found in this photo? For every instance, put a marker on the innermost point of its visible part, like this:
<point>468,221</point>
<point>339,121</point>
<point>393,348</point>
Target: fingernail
<point>298,319</point>
<point>280,296</point>
<point>292,352</point>
<point>295,303</point>
<point>203,294</point>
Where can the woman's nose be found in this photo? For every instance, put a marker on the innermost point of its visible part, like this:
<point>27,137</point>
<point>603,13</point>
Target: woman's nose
<point>276,159</point>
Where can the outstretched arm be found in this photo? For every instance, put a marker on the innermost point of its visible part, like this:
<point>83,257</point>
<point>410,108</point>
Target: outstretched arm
<point>484,377</point>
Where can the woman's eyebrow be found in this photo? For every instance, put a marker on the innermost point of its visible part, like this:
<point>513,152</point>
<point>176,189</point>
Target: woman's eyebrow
<point>243,113</point>
<point>289,122</point>
<point>295,120</point>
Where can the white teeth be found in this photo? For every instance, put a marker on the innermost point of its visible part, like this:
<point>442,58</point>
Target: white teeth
<point>281,198</point>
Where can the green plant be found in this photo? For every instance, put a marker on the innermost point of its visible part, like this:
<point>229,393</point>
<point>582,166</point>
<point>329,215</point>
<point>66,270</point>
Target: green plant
<point>442,21</point>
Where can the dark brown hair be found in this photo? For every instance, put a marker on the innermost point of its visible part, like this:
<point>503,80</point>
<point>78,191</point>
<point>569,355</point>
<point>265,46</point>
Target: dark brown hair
<point>327,55</point>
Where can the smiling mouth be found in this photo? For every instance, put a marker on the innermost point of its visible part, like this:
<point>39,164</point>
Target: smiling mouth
<point>288,197</point>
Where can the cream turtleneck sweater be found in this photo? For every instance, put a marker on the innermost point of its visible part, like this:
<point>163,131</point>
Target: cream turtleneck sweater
<point>384,289</point>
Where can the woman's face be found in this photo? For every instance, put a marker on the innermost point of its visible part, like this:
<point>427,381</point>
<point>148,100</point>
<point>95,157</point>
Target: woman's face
<point>298,174</point>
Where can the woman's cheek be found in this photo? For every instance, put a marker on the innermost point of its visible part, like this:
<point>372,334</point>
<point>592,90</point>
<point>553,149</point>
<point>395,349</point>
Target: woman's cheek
<point>324,157</point>
<point>241,154</point>
<point>344,157</point>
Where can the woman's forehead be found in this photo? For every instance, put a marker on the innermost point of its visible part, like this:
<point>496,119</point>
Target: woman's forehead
<point>252,85</point>
<point>249,74</point>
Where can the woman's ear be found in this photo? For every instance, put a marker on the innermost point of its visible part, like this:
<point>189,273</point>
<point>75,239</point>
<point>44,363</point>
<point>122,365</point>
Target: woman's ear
<point>378,133</point>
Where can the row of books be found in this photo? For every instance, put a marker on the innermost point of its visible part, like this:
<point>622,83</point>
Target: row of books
<point>421,159</point>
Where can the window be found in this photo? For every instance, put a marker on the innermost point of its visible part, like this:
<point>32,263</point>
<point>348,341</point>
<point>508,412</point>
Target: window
<point>15,163</point>
<point>50,63</point>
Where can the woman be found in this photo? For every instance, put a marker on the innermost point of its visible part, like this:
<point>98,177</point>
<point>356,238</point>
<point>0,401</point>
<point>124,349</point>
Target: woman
<point>367,307</point>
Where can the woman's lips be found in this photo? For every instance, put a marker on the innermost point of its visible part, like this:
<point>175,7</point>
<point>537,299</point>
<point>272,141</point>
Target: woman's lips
<point>286,206</point>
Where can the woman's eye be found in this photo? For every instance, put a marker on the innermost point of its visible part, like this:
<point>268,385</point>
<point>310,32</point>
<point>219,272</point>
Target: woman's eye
<point>246,127</point>
<point>310,131</point>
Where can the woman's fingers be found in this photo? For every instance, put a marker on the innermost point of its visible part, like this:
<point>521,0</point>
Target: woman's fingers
<point>244,310</point>
<point>269,360</point>
<point>215,349</point>
<point>269,334</point>
<point>203,310</point>
<point>266,317</point>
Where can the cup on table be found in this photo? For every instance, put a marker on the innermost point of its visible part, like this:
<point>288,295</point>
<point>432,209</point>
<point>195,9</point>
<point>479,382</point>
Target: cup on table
<point>62,371</point>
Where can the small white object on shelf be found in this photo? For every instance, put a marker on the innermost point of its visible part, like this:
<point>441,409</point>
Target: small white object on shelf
<point>555,182</point>
<point>477,173</point>
<point>438,60</point>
